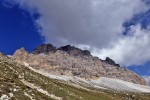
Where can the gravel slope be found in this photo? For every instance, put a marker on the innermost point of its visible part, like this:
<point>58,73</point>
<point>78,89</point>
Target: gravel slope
<point>102,83</point>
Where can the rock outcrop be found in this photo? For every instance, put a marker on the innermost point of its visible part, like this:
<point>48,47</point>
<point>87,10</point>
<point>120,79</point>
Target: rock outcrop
<point>74,51</point>
<point>44,48</point>
<point>71,61</point>
<point>22,54</point>
<point>110,61</point>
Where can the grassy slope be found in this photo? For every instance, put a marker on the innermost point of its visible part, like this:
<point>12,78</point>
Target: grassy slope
<point>11,75</point>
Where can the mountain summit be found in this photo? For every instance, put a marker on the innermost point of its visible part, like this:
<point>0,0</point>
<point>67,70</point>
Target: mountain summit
<point>74,51</point>
<point>44,48</point>
<point>71,61</point>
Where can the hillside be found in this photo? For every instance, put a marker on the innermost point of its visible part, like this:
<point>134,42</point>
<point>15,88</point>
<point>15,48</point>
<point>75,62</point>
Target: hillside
<point>71,61</point>
<point>20,83</point>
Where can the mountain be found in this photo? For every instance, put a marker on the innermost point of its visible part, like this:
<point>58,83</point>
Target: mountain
<point>20,80</point>
<point>71,61</point>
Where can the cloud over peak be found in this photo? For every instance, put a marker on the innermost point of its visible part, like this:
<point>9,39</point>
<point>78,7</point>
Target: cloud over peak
<point>132,49</point>
<point>93,24</point>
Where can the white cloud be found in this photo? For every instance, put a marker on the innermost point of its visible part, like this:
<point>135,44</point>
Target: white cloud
<point>130,50</point>
<point>93,24</point>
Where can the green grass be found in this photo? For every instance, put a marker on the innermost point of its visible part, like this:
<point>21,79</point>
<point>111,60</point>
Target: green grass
<point>10,78</point>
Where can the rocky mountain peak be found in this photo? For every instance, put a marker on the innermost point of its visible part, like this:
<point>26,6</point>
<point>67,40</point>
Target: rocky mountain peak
<point>110,61</point>
<point>74,51</point>
<point>22,49</point>
<point>44,48</point>
<point>21,53</point>
<point>67,48</point>
<point>72,61</point>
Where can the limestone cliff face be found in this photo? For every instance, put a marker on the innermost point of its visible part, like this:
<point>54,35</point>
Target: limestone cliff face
<point>71,61</point>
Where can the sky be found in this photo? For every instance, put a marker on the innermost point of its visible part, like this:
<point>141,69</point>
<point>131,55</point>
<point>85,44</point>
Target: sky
<point>17,29</point>
<point>119,29</point>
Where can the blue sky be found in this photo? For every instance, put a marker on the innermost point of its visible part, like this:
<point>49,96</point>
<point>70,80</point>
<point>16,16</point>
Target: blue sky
<point>143,70</point>
<point>17,30</point>
<point>120,34</point>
